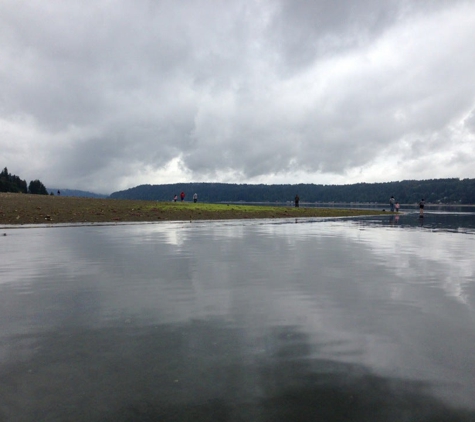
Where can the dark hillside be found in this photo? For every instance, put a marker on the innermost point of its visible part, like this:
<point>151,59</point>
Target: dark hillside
<point>447,191</point>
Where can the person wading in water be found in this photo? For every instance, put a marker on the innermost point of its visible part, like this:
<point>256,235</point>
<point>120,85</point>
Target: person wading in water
<point>421,208</point>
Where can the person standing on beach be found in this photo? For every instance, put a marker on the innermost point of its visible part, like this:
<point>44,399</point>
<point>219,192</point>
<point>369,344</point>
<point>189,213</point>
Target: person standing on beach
<point>421,208</point>
<point>297,199</point>
<point>391,203</point>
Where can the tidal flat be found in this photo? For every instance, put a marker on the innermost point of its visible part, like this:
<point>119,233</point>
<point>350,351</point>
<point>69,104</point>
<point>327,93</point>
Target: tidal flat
<point>21,209</point>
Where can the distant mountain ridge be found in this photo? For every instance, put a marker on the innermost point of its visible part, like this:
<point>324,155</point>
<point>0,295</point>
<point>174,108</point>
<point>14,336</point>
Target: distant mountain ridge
<point>75,192</point>
<point>446,191</point>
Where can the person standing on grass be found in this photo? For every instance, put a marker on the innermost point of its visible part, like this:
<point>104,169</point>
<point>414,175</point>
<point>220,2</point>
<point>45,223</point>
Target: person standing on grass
<point>195,198</point>
<point>297,200</point>
<point>397,206</point>
<point>182,196</point>
<point>175,198</point>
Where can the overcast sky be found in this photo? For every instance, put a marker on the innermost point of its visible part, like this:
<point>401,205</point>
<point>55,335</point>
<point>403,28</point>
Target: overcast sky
<point>106,95</point>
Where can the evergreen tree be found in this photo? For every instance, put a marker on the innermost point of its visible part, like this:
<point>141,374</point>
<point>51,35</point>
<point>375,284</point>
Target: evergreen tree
<point>37,188</point>
<point>11,183</point>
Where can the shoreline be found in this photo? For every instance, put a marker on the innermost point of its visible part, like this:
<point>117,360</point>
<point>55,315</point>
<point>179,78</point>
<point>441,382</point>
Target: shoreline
<point>284,220</point>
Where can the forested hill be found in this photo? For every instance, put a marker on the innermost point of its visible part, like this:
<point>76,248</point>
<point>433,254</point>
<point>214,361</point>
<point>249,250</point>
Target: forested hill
<point>448,191</point>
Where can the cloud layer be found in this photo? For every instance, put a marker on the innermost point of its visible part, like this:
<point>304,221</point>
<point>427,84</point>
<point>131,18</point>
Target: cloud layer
<point>102,95</point>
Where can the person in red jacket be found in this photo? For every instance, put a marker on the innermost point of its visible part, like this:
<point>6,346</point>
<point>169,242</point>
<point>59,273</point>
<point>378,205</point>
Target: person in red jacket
<point>182,196</point>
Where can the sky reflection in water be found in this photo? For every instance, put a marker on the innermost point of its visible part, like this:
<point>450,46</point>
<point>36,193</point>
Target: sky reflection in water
<point>368,319</point>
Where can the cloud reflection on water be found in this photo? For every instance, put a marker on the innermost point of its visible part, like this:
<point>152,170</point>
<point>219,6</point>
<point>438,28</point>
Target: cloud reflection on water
<point>255,313</point>
<point>199,371</point>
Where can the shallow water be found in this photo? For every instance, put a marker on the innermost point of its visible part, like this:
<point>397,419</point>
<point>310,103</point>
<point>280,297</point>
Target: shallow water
<point>369,319</point>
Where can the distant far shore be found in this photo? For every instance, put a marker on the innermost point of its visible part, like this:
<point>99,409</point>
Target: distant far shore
<point>20,209</point>
<point>360,204</point>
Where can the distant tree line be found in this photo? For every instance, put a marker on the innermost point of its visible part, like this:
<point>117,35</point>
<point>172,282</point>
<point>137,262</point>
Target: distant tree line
<point>12,183</point>
<point>444,191</point>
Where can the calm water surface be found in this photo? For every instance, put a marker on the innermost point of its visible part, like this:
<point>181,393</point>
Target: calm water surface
<point>369,319</point>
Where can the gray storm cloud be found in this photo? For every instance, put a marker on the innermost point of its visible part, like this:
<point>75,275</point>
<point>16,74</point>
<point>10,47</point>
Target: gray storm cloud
<point>104,96</point>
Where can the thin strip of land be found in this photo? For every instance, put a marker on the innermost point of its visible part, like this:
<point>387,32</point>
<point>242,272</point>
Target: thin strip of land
<point>18,209</point>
